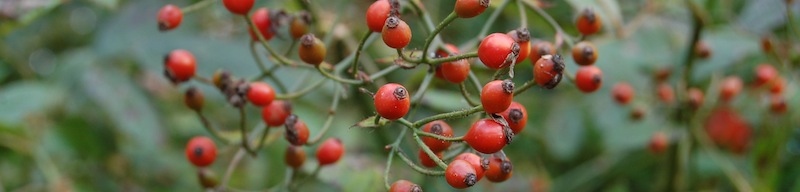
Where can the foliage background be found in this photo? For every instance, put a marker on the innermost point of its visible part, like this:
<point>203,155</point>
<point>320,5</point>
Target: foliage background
<point>83,105</point>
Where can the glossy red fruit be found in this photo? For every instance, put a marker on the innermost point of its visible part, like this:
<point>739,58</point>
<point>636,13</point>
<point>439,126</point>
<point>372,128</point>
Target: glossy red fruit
<point>696,97</point>
<point>623,93</point>
<point>523,37</point>
<point>260,94</point>
<point>275,113</point>
<point>541,48</point>
<point>169,17</point>
<point>665,93</point>
<point>194,98</point>
<point>311,50</point>
<point>296,130</point>
<point>658,142</point>
<point>437,127</point>
<point>263,22</point>
<point>765,73</point>
<point>404,186</point>
<point>730,87</point>
<point>426,160</point>
<point>377,13</point>
<point>589,78</point>
<point>455,71</point>
<point>460,174</point>
<point>516,116</point>
<point>330,151</point>
<point>777,104</point>
<point>201,151</point>
<point>240,7</point>
<point>392,101</point>
<point>547,71</point>
<point>499,169</point>
<point>776,86</point>
<point>497,95</point>
<point>180,65</point>
<point>476,163</point>
<point>295,156</point>
<point>498,50</point>
<point>584,53</point>
<point>487,136</point>
<point>396,33</point>
<point>727,129</point>
<point>588,22</point>
<point>470,8</point>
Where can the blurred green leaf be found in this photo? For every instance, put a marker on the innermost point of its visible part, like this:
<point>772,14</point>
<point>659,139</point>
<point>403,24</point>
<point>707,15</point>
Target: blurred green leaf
<point>21,99</point>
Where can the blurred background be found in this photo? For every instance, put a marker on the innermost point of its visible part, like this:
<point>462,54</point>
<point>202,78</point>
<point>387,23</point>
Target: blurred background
<point>84,105</point>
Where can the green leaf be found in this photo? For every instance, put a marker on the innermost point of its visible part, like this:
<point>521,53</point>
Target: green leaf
<point>18,100</point>
<point>369,122</point>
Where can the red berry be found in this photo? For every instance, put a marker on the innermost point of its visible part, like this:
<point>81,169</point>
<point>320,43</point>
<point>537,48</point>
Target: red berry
<point>584,53</point>
<point>547,71</point>
<point>240,7</point>
<point>377,13</point>
<point>497,95</point>
<point>588,23</point>
<point>658,143</point>
<point>665,93</point>
<point>396,33</point>
<point>765,73</point>
<point>695,97</point>
<point>460,174</point>
<point>437,127</point>
<point>260,94</point>
<point>169,17</point>
<point>450,47</point>
<point>777,85</point>
<point>777,104</point>
<point>702,50</point>
<point>730,87</point>
<point>499,169</point>
<point>470,8</point>
<point>426,160</point>
<point>475,161</point>
<point>589,78</point>
<point>330,151</point>
<point>299,25</point>
<point>392,101</point>
<point>275,113</point>
<point>498,50</point>
<point>516,116</point>
<point>295,156</point>
<point>727,129</point>
<point>201,151</point>
<point>541,48</point>
<point>311,50</point>
<point>523,37</point>
<point>455,71</point>
<point>263,22</point>
<point>623,93</point>
<point>193,98</point>
<point>180,65</point>
<point>296,130</point>
<point>404,186</point>
<point>486,136</point>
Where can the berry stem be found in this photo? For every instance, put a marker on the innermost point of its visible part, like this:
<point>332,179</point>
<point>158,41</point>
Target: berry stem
<point>202,79</point>
<point>475,81</point>
<point>196,6</point>
<point>394,145</point>
<point>551,21</point>
<point>450,115</point>
<point>301,92</point>
<point>492,19</point>
<point>423,86</point>
<point>281,60</point>
<point>383,72</point>
<point>414,166</point>
<point>242,124</point>
<point>329,120</point>
<point>526,86</point>
<point>450,18</point>
<point>466,95</point>
<point>422,13</point>
<point>428,151</point>
<point>358,53</point>
<point>523,17</point>
<point>214,133</point>
<point>439,137</point>
<point>453,58</point>
<point>291,48</point>
<point>338,79</point>
<point>261,65</point>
